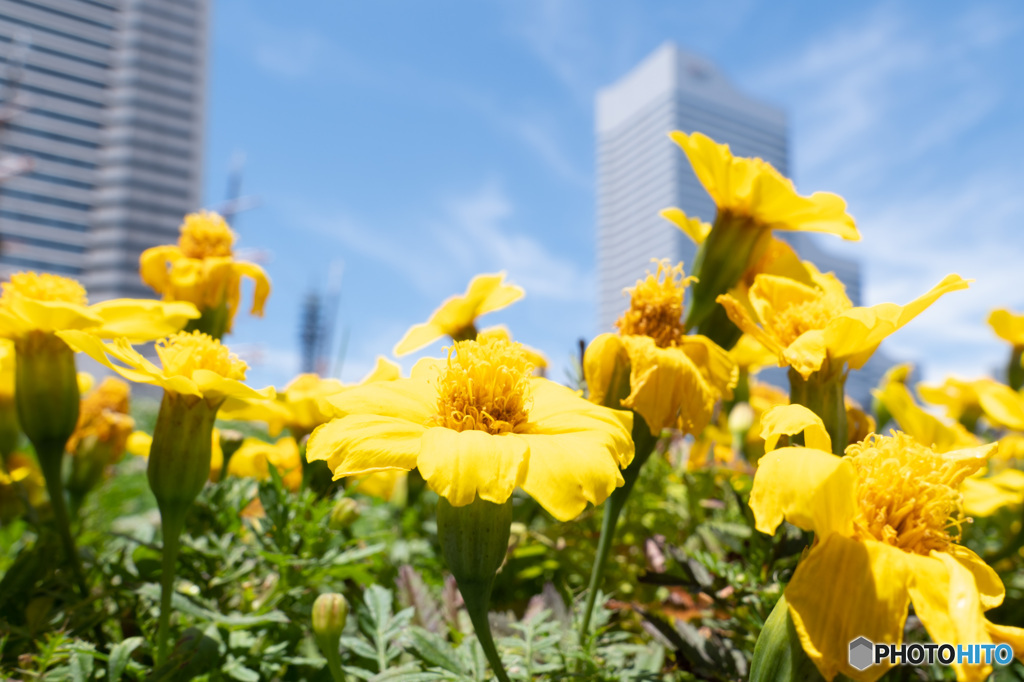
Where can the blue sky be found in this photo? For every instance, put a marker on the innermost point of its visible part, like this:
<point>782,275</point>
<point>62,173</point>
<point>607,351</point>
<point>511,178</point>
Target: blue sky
<point>410,145</point>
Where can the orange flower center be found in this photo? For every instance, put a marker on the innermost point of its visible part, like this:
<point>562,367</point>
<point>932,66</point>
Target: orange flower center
<point>907,494</point>
<point>206,235</point>
<point>486,387</point>
<point>185,352</point>
<point>43,287</point>
<point>656,306</point>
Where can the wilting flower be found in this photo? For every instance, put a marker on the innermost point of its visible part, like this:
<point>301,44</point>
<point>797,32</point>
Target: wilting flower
<point>202,269</point>
<point>752,200</point>
<point>255,457</point>
<point>478,426</point>
<point>299,407</point>
<point>674,379</point>
<point>886,519</point>
<point>817,328</point>
<point>457,316</point>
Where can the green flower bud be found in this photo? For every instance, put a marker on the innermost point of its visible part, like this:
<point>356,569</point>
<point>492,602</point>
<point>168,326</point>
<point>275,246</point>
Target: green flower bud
<point>330,611</point>
<point>179,458</point>
<point>46,390</point>
<point>344,513</point>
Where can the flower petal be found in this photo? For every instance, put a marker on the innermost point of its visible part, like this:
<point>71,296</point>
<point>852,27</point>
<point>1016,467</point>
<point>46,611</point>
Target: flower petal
<point>51,316</point>
<point>666,387</point>
<point>142,319</point>
<point>789,420</point>
<point>811,489</point>
<point>365,443</point>
<point>410,399</point>
<point>947,601</point>
<point>844,589</point>
<point>260,279</point>
<point>567,470</point>
<point>463,465</point>
<point>418,336</point>
<point>694,228</point>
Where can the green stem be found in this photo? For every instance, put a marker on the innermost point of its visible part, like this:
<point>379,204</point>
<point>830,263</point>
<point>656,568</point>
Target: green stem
<point>50,461</point>
<point>477,597</point>
<point>823,393</point>
<point>172,535</point>
<point>644,442</point>
<point>334,665</point>
<point>1015,372</point>
<point>213,321</point>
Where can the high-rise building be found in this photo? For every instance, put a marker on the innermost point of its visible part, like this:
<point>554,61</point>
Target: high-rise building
<point>110,103</point>
<point>641,171</point>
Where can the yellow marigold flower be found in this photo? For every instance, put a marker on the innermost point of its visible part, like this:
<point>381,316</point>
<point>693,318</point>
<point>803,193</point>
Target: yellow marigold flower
<point>255,457</point>
<point>752,188</point>
<point>193,365</point>
<point>103,416</point>
<point>202,269</point>
<point>674,378</point>
<point>479,426</point>
<point>43,303</point>
<point>925,428</point>
<point>300,407</point>
<point>887,520</point>
<point>813,328</point>
<point>966,401</point>
<point>457,316</point>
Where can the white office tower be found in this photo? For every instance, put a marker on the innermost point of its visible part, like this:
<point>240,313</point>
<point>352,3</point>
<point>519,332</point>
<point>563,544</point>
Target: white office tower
<point>641,171</point>
<point>109,102</point>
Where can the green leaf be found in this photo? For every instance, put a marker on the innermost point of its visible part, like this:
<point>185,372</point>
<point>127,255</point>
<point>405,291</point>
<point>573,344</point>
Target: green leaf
<point>234,669</point>
<point>434,650</point>
<point>120,654</point>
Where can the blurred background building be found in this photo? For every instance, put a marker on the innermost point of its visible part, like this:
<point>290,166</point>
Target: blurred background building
<point>104,101</point>
<point>641,171</point>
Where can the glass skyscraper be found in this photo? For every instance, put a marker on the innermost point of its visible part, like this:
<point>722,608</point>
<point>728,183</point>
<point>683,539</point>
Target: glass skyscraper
<point>106,98</point>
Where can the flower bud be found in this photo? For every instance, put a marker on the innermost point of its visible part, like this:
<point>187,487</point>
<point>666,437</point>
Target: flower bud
<point>179,457</point>
<point>46,390</point>
<point>344,513</point>
<point>330,611</point>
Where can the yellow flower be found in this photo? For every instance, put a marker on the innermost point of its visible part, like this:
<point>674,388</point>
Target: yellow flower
<point>753,189</point>
<point>457,316</point>
<point>103,417</point>
<point>925,428</point>
<point>479,426</point>
<point>194,365</point>
<point>254,458</point>
<point>674,378</point>
<point>299,407</point>
<point>33,303</point>
<point>812,328</point>
<point>201,269</point>
<point>887,520</point>
<point>966,401</point>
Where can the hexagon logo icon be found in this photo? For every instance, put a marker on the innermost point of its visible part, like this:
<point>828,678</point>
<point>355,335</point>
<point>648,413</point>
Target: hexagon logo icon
<point>862,653</point>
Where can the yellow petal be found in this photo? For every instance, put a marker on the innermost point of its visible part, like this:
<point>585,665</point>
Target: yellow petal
<point>52,316</point>
<point>260,279</point>
<point>811,489</point>
<point>1006,634</point>
<point>946,599</point>
<point>744,319</point>
<point>139,443</point>
<point>606,368</point>
<point>142,319</point>
<point>461,466</point>
<point>410,399</point>
<point>714,362</point>
<point>418,336</point>
<point>139,369</point>
<point>213,386</point>
<point>558,410</point>
<point>567,470</point>
<point>789,420</point>
<point>808,352</point>
<point>1007,326</point>
<point>384,370</point>
<point>364,443</point>
<point>990,588</point>
<point>488,293</point>
<point>844,589</point>
<point>1001,404</point>
<point>855,333</point>
<point>153,266</point>
<point>694,228</point>
<point>925,428</point>
<point>666,387</point>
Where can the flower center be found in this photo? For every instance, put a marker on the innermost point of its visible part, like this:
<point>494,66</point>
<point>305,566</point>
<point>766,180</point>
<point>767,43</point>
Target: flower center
<point>656,306</point>
<point>185,352</point>
<point>206,235</point>
<point>907,494</point>
<point>486,387</point>
<point>786,325</point>
<point>43,287</point>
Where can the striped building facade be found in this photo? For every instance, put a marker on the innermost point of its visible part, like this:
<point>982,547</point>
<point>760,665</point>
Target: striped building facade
<point>108,101</point>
